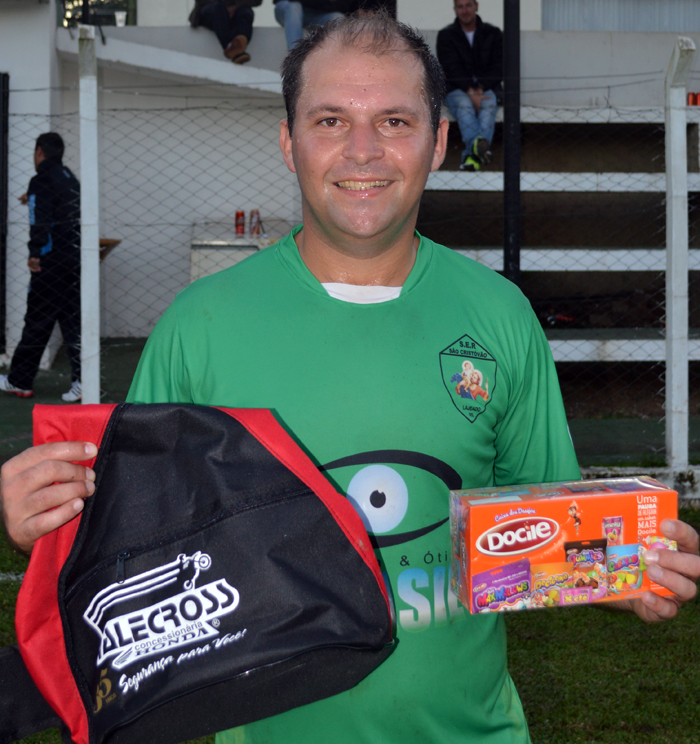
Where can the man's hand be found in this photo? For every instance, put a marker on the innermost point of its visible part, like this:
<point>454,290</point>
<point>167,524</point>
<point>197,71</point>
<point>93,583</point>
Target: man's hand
<point>476,95</point>
<point>34,265</point>
<point>24,199</point>
<point>676,570</point>
<point>41,489</point>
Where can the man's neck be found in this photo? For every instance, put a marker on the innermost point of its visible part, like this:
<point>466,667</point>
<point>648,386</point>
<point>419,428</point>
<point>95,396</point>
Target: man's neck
<point>366,265</point>
<point>470,27</point>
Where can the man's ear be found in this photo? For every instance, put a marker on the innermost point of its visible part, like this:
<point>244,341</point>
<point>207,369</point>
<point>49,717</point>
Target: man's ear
<point>286,145</point>
<point>440,144</point>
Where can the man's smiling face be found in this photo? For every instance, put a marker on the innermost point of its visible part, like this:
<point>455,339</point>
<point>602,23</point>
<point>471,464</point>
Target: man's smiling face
<point>362,146</point>
<point>466,11</point>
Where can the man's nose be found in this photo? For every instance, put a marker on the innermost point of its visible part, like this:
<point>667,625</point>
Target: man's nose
<point>363,143</point>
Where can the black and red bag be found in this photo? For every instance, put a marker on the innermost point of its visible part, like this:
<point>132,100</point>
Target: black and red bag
<point>214,578</point>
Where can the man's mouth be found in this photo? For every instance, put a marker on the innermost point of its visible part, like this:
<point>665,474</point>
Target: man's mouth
<point>361,185</point>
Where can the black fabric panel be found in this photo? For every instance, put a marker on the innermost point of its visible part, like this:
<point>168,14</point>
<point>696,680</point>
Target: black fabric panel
<point>301,586</point>
<point>227,520</point>
<point>23,710</point>
<point>201,455</point>
<point>262,692</point>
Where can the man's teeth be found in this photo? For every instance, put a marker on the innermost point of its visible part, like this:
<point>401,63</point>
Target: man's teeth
<point>361,185</point>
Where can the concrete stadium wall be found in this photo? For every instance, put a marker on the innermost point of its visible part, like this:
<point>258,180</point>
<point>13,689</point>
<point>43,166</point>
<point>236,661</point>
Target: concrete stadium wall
<point>559,68</point>
<point>414,12</point>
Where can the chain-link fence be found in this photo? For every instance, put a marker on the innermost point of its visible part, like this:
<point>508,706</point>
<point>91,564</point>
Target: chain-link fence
<point>171,181</point>
<point>175,169</point>
<point>593,258</point>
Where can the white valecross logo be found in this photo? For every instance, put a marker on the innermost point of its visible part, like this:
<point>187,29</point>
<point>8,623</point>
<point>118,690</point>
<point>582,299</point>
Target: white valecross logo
<point>174,612</point>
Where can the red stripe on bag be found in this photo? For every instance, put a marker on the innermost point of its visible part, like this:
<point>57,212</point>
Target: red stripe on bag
<point>37,617</point>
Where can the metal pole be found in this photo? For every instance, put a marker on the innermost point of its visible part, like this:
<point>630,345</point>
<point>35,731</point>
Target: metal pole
<point>511,140</point>
<point>677,257</point>
<point>89,219</point>
<point>4,138</point>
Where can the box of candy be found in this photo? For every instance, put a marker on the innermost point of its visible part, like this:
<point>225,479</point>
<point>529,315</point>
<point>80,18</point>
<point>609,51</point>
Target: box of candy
<point>556,544</point>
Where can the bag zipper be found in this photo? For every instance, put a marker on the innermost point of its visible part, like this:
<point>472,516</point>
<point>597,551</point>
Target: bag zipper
<point>121,566</point>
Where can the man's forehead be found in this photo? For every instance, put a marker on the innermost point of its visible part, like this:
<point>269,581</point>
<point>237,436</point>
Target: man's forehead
<point>334,61</point>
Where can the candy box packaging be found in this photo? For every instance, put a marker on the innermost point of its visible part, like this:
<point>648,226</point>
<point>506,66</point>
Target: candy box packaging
<point>556,544</point>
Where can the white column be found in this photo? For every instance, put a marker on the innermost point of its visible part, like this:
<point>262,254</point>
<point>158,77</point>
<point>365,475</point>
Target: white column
<point>677,257</point>
<point>89,219</point>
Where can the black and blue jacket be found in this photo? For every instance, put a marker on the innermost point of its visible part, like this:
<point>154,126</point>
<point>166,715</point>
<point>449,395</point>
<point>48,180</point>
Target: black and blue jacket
<point>54,214</point>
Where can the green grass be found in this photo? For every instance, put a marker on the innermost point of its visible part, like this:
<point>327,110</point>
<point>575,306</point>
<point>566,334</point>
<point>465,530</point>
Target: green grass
<point>596,677</point>
<point>584,675</point>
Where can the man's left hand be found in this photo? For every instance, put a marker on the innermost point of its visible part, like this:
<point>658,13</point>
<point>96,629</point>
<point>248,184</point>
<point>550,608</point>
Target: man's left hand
<point>34,265</point>
<point>677,570</point>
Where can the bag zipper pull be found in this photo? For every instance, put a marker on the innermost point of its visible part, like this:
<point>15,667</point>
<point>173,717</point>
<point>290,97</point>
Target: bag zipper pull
<point>121,566</point>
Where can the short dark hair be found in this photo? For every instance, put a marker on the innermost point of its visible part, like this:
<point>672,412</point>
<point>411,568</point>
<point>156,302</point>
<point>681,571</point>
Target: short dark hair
<point>51,144</point>
<point>373,33</point>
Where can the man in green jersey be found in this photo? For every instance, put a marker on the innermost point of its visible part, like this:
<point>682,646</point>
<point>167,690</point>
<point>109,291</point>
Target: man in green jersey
<point>402,368</point>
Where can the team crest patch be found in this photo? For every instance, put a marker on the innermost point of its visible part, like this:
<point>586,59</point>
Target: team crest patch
<point>469,374</point>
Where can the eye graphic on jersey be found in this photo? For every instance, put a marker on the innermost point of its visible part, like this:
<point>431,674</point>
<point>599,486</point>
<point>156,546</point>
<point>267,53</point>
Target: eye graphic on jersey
<point>380,494</point>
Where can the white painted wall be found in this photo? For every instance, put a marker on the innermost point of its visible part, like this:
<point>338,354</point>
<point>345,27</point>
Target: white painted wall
<point>27,53</point>
<point>171,160</point>
<point>417,13</point>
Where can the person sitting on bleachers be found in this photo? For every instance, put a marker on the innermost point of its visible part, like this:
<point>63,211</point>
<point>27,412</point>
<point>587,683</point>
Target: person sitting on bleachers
<point>231,21</point>
<point>471,54</point>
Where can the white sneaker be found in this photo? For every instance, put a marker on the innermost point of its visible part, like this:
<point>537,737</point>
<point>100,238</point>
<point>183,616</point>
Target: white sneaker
<point>7,387</point>
<point>75,394</point>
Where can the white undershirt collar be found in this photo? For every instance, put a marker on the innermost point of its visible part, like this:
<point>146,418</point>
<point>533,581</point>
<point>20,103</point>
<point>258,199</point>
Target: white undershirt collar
<point>360,294</point>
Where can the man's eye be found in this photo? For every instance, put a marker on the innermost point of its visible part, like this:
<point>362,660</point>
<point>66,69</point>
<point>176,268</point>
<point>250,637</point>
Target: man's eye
<point>330,122</point>
<point>395,122</point>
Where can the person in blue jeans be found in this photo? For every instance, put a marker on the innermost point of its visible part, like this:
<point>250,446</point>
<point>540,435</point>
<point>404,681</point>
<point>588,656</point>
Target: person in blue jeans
<point>471,54</point>
<point>296,15</point>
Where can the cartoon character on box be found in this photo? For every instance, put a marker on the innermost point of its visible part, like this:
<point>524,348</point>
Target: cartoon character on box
<point>575,514</point>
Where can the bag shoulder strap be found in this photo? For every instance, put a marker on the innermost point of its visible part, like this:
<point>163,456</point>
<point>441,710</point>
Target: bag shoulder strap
<point>23,710</point>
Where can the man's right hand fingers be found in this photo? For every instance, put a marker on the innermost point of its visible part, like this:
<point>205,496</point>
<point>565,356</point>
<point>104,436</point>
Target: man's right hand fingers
<point>62,501</point>
<point>57,505</point>
<point>57,495</point>
<point>66,451</point>
<point>37,477</point>
<point>42,488</point>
